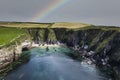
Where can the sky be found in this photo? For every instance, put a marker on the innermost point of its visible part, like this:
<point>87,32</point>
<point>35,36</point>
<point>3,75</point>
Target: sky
<point>97,12</point>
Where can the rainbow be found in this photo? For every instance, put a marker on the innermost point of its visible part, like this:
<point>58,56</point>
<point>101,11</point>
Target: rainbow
<point>48,10</point>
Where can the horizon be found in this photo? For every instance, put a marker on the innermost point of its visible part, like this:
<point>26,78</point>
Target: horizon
<point>59,22</point>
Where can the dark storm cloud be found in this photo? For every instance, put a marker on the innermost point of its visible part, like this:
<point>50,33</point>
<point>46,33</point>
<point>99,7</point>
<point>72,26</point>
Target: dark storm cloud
<point>102,12</point>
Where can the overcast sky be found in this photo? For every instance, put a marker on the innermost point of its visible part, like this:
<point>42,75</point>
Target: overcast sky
<point>100,12</point>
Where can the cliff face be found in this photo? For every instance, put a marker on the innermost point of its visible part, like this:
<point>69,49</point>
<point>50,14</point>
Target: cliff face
<point>99,45</point>
<point>42,35</point>
<point>10,53</point>
<point>104,43</point>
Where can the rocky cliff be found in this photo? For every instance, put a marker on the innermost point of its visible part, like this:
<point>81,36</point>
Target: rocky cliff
<point>10,53</point>
<point>101,45</point>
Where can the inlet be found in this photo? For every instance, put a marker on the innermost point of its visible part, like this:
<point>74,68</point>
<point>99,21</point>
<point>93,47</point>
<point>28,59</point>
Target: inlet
<point>52,62</point>
<point>57,52</point>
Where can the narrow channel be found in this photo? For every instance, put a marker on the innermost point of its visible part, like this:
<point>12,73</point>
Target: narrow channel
<point>51,63</point>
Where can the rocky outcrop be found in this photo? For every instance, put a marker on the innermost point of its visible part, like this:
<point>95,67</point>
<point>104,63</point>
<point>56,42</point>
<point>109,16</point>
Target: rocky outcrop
<point>11,52</point>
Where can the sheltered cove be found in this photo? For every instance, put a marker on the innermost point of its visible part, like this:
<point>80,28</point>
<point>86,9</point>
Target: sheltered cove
<point>96,45</point>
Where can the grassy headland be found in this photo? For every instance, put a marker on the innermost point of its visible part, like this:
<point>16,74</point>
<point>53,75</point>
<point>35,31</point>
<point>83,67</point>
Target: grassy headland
<point>43,25</point>
<point>25,24</point>
<point>11,30</point>
<point>68,25</point>
<point>8,35</point>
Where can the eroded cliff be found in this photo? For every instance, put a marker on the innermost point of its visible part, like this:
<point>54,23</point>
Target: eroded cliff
<point>98,44</point>
<point>11,54</point>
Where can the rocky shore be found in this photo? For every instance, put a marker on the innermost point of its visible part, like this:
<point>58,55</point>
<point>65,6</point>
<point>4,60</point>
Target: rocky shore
<point>10,54</point>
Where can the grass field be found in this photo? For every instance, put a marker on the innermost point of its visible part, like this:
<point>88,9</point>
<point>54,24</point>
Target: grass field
<point>43,25</point>
<point>25,24</point>
<point>69,25</point>
<point>11,30</point>
<point>9,34</point>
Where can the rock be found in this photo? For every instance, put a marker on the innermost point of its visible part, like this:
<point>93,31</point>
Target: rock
<point>91,53</point>
<point>89,62</point>
<point>86,47</point>
<point>10,54</point>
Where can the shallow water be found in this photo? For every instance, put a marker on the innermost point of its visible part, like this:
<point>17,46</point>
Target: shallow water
<point>54,65</point>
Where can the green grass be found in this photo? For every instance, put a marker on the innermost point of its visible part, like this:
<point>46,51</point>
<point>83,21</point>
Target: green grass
<point>102,44</point>
<point>11,30</point>
<point>8,35</point>
<point>25,24</point>
<point>68,25</point>
<point>95,39</point>
<point>51,35</point>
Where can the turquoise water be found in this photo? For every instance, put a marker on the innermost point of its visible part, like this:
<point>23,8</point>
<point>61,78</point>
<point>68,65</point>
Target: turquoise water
<point>53,64</point>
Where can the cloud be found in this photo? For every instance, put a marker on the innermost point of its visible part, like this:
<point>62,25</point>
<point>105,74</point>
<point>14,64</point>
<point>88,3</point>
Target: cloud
<point>104,12</point>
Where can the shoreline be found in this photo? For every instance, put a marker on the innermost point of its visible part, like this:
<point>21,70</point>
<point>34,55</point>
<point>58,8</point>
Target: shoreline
<point>47,45</point>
